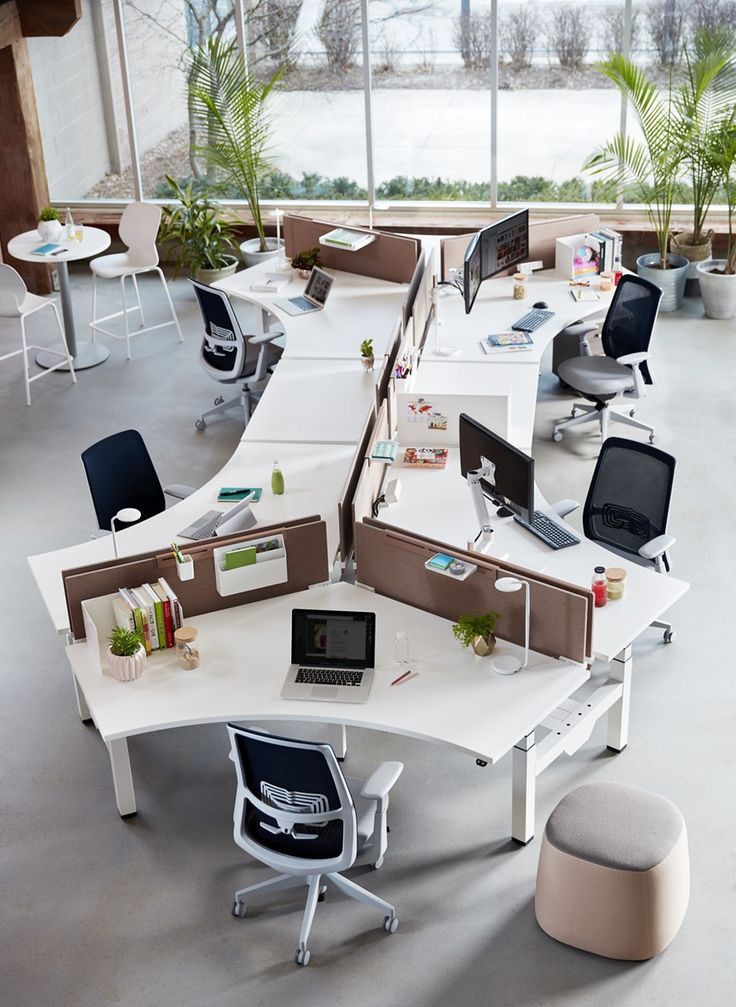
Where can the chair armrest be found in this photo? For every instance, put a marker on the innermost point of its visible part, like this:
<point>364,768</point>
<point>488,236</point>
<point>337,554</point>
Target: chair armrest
<point>564,507</point>
<point>179,490</point>
<point>581,328</point>
<point>381,780</point>
<point>267,337</point>
<point>632,358</point>
<point>657,546</point>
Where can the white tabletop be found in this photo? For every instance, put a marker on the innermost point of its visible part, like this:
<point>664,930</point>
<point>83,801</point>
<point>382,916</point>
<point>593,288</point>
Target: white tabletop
<point>437,504</point>
<point>314,477</point>
<point>93,242</point>
<point>456,699</point>
<point>314,401</point>
<point>358,308</point>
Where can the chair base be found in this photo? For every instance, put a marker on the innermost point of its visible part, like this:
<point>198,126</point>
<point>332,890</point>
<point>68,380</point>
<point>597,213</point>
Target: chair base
<point>315,894</point>
<point>247,401</point>
<point>589,413</point>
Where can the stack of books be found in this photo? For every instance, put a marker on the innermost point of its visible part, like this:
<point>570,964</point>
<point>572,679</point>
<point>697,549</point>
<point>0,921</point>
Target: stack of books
<point>426,458</point>
<point>153,610</point>
<point>350,241</point>
<point>507,342</point>
<point>607,245</point>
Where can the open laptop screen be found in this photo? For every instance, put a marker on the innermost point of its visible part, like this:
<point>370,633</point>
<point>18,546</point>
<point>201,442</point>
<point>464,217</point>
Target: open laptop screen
<point>333,639</point>
<point>318,286</point>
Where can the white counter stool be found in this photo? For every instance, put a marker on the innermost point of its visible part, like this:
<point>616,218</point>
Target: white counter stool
<point>614,874</point>
<point>138,229</point>
<point>16,302</point>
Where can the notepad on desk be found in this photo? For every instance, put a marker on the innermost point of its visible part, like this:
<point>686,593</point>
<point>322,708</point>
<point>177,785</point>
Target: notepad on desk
<point>584,294</point>
<point>51,248</point>
<point>512,341</point>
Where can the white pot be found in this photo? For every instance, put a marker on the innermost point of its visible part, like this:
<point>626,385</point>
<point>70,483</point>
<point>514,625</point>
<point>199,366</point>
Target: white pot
<point>127,669</point>
<point>718,289</point>
<point>670,281</point>
<point>50,230</point>
<point>252,255</point>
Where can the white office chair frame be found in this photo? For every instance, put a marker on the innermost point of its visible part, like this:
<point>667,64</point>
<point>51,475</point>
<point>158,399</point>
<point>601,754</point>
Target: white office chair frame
<point>13,296</point>
<point>297,872</point>
<point>138,229</point>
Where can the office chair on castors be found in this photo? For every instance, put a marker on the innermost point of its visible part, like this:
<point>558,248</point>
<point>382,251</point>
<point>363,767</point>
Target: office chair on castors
<point>121,474</point>
<point>297,813</point>
<point>628,504</point>
<point>223,354</point>
<point>626,334</point>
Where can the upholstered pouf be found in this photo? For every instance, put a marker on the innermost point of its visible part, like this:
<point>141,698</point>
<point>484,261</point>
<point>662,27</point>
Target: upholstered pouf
<point>614,873</point>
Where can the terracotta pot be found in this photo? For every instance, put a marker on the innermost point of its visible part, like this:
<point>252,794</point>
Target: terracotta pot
<point>483,645</point>
<point>127,669</point>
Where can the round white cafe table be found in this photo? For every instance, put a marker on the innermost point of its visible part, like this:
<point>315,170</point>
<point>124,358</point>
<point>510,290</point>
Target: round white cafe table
<point>94,241</point>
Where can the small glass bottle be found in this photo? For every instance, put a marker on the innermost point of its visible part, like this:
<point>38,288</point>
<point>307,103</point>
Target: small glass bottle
<point>69,225</point>
<point>186,652</point>
<point>616,580</point>
<point>401,648</point>
<point>277,480</point>
<point>520,286</point>
<point>599,586</point>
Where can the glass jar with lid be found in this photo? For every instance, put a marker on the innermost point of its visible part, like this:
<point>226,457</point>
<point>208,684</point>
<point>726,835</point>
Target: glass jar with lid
<point>616,583</point>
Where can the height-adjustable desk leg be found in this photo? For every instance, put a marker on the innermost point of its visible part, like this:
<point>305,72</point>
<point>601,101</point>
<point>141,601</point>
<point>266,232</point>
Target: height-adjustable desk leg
<point>338,738</point>
<point>84,712</point>
<point>622,668</point>
<point>122,777</point>
<point>524,780</point>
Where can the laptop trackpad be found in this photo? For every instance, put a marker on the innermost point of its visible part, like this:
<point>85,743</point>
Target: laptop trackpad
<point>324,692</point>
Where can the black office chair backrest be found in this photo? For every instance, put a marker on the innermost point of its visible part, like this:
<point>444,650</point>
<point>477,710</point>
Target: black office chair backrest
<point>629,496</point>
<point>120,474</point>
<point>629,323</point>
<point>223,349</point>
<point>284,778</point>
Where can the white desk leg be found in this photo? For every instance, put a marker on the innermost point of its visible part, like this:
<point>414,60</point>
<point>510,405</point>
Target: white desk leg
<point>122,777</point>
<point>338,738</point>
<point>524,778</point>
<point>81,701</point>
<point>622,668</point>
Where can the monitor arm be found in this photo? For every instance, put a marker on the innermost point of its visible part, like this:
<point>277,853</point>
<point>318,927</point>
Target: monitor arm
<point>474,477</point>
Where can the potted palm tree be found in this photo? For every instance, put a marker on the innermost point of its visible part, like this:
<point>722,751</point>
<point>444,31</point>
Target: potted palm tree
<point>196,236</point>
<point>651,166</point>
<point>718,276</point>
<point>229,108</point>
<point>705,100</point>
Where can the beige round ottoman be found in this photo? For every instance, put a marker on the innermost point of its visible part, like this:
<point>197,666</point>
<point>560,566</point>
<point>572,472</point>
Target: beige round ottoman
<point>614,873</point>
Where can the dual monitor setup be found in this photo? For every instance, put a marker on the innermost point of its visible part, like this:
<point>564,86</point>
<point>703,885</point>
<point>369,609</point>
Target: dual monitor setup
<point>494,249</point>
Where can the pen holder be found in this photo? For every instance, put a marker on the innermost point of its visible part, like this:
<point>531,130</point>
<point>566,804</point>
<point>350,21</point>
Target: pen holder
<point>185,570</point>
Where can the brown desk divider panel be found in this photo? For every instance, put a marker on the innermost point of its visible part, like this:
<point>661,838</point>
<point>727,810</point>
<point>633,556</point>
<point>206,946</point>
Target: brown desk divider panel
<point>389,257</point>
<point>392,563</point>
<point>422,310</point>
<point>371,472</point>
<point>345,503</point>
<point>389,362</point>
<point>306,555</point>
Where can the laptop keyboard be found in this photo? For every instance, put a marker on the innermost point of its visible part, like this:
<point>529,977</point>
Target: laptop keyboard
<point>302,302</point>
<point>203,527</point>
<point>328,676</point>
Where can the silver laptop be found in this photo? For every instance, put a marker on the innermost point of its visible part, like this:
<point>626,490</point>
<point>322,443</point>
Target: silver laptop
<point>314,296</point>
<point>332,656</point>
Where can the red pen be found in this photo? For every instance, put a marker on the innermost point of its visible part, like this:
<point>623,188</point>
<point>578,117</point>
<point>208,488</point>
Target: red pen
<point>401,677</point>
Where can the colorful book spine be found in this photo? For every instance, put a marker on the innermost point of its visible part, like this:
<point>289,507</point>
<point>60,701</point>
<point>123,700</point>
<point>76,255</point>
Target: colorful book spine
<point>176,609</point>
<point>158,611</point>
<point>144,602</point>
<point>168,618</point>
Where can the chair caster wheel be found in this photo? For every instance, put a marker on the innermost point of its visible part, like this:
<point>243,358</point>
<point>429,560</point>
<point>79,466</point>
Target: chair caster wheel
<point>302,957</point>
<point>652,438</point>
<point>557,436</point>
<point>378,864</point>
<point>200,424</point>
<point>573,412</point>
<point>219,400</point>
<point>669,636</point>
<point>632,413</point>
<point>239,909</point>
<point>391,924</point>
<point>322,892</point>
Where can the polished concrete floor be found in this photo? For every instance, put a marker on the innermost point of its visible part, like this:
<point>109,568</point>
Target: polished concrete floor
<point>96,911</point>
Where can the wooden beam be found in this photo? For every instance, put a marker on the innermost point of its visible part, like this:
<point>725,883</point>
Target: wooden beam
<point>10,30</point>
<point>48,17</point>
<point>23,186</point>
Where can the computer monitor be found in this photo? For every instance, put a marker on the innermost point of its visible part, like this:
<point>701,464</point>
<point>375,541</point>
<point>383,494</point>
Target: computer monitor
<point>497,247</point>
<point>513,478</point>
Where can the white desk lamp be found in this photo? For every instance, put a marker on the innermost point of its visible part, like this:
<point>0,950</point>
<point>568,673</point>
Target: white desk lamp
<point>508,664</point>
<point>281,264</point>
<point>127,515</point>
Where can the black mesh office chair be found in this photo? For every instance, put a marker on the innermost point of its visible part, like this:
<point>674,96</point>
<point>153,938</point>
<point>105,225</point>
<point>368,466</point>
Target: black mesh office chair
<point>223,354</point>
<point>120,474</point>
<point>626,334</point>
<point>297,813</point>
<point>628,503</point>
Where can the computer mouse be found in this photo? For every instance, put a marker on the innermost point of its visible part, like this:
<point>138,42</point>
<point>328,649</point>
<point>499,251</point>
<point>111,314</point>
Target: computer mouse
<point>539,304</point>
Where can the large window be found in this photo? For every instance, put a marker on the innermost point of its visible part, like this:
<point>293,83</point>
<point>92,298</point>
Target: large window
<point>483,101</point>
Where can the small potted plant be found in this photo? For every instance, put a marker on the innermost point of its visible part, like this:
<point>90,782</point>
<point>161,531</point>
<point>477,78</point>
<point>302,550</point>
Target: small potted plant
<point>196,236</point>
<point>476,631</point>
<point>49,224</point>
<point>366,354</point>
<point>305,261</point>
<point>126,655</point>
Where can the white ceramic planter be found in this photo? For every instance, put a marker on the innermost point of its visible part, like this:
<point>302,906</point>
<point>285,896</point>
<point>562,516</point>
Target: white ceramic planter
<point>252,255</point>
<point>127,669</point>
<point>213,275</point>
<point>50,230</point>
<point>718,289</point>
<point>670,281</point>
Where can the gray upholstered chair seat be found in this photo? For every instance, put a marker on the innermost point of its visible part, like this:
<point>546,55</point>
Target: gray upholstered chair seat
<point>594,376</point>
